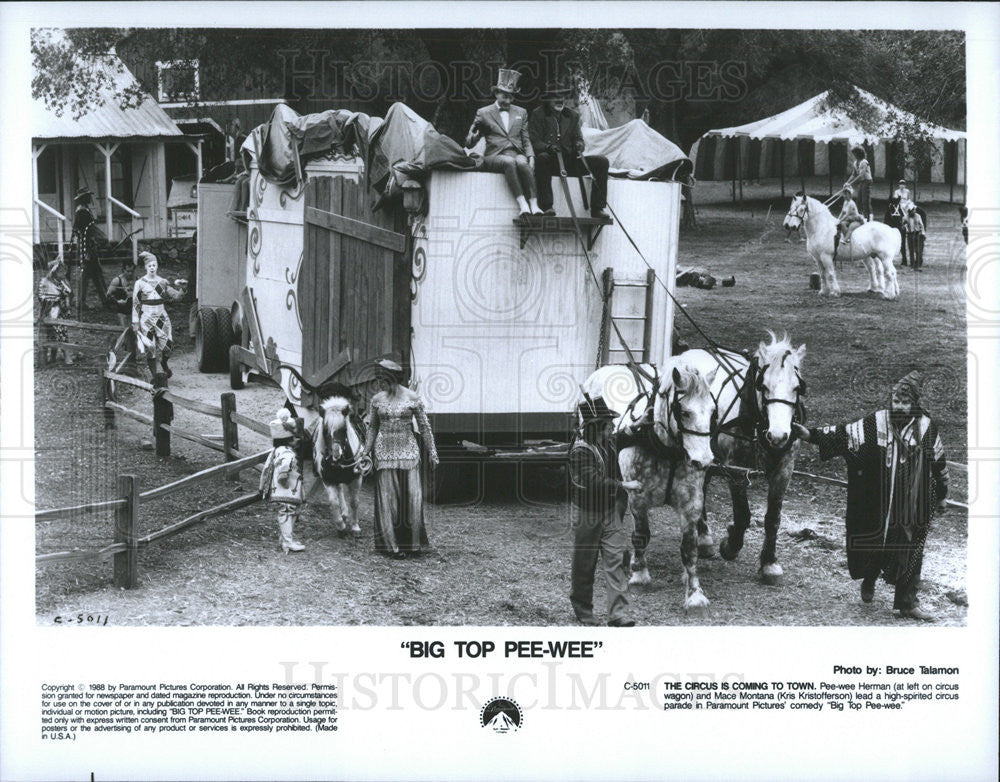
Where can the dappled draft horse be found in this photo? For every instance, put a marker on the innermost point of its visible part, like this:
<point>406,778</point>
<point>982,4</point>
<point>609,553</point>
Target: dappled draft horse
<point>757,398</point>
<point>337,444</point>
<point>874,244</point>
<point>895,218</point>
<point>664,433</point>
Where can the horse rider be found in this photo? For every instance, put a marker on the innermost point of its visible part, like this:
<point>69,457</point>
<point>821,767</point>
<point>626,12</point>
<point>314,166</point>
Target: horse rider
<point>600,497</point>
<point>902,192</point>
<point>850,218</point>
<point>916,234</point>
<point>86,233</point>
<point>861,178</point>
<point>896,475</point>
<point>555,128</point>
<point>508,143</point>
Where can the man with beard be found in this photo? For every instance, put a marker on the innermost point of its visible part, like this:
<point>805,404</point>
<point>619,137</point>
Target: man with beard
<point>896,475</point>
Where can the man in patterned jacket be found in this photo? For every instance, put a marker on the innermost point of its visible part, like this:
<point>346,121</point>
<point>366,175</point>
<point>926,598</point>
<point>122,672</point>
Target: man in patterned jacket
<point>896,475</point>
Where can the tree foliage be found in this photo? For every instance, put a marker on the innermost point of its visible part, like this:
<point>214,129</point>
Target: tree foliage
<point>686,81</point>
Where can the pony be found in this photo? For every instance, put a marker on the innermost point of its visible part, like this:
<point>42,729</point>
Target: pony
<point>664,431</point>
<point>337,444</point>
<point>895,218</point>
<point>874,244</point>
<point>757,398</point>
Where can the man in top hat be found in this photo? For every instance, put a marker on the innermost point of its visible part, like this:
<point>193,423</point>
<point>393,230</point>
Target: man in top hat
<point>600,498</point>
<point>86,234</point>
<point>508,144</point>
<point>896,476</point>
<point>556,129</point>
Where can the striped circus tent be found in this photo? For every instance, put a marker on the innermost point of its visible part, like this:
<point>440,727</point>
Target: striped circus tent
<point>813,140</point>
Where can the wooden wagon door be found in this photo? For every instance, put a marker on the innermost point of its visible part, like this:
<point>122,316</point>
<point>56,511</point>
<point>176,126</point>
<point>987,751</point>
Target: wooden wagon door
<point>353,286</point>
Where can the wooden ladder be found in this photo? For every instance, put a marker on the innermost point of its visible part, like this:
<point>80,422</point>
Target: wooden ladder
<point>609,337</point>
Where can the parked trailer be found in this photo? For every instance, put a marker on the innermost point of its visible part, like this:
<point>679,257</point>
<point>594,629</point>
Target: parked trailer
<point>498,323</point>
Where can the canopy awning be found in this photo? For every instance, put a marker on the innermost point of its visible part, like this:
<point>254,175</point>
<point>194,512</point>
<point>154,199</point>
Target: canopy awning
<point>817,121</point>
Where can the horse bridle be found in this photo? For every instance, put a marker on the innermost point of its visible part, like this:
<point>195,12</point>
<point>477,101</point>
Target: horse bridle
<point>765,401</point>
<point>795,211</point>
<point>358,464</point>
<point>675,415</point>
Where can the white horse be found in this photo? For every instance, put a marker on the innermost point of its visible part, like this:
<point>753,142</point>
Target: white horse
<point>336,445</point>
<point>669,455</point>
<point>757,402</point>
<point>874,244</point>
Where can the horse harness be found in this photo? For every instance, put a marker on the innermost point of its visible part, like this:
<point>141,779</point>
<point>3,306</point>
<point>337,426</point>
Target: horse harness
<point>751,423</point>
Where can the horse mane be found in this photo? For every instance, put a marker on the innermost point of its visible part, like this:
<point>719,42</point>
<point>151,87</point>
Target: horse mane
<point>775,348</point>
<point>335,402</point>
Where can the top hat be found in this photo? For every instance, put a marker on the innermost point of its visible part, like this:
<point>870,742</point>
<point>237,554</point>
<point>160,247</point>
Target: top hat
<point>507,81</point>
<point>556,89</point>
<point>83,193</point>
<point>595,409</point>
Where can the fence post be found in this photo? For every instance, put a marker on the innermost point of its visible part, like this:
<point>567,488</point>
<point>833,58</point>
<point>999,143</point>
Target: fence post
<point>126,563</point>
<point>163,413</point>
<point>230,430</point>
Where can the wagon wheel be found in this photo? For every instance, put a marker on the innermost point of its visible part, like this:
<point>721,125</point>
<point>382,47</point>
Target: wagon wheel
<point>238,372</point>
<point>206,339</point>
<point>224,321</point>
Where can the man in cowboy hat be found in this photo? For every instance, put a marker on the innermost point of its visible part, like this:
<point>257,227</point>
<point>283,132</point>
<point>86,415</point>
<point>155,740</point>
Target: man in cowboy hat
<point>555,128</point>
<point>600,498</point>
<point>86,234</point>
<point>896,475</point>
<point>508,144</point>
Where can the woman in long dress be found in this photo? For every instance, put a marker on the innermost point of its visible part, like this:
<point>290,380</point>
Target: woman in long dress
<point>399,502</point>
<point>150,321</point>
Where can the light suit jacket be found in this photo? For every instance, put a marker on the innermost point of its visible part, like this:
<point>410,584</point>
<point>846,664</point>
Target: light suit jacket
<point>498,140</point>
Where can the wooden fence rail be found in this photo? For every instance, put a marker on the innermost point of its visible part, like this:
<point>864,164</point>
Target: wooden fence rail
<point>127,543</point>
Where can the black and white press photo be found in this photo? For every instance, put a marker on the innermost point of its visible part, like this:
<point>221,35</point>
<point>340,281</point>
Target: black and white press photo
<point>500,326</point>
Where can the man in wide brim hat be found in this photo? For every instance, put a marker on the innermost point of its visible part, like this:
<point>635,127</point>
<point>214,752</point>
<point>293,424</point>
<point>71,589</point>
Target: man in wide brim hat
<point>83,194</point>
<point>508,144</point>
<point>556,130</point>
<point>600,498</point>
<point>896,476</point>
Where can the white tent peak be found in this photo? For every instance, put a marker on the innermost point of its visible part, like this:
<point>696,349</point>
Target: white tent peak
<point>815,120</point>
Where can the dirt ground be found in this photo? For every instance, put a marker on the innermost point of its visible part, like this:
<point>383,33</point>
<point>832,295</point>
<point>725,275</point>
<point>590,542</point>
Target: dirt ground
<point>499,561</point>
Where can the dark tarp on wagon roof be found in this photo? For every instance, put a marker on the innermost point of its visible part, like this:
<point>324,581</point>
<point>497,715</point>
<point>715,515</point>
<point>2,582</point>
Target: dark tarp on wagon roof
<point>406,143</point>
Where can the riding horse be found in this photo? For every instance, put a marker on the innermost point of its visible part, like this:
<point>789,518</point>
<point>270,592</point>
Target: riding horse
<point>337,444</point>
<point>895,218</point>
<point>874,244</point>
<point>664,430</point>
<point>757,398</point>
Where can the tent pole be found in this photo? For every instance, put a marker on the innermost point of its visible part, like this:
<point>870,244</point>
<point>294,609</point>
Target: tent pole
<point>802,176</point>
<point>739,166</point>
<point>734,173</point>
<point>781,164</point>
<point>829,168</point>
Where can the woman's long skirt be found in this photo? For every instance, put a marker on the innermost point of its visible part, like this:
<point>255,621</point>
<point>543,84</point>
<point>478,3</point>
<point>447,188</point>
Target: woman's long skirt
<point>399,511</point>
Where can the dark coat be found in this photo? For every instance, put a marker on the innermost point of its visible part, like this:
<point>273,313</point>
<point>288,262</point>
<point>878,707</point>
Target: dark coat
<point>595,476</point>
<point>549,131</point>
<point>873,529</point>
